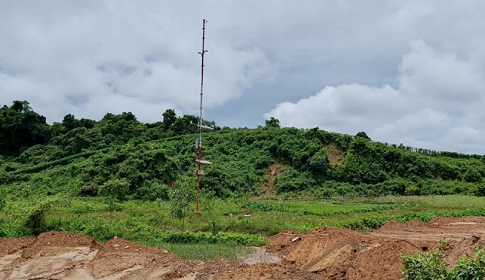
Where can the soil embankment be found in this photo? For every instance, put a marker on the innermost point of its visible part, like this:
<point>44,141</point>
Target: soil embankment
<point>323,253</point>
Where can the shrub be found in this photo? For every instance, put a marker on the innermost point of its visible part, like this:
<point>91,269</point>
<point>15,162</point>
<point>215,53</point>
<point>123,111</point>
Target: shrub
<point>99,231</point>
<point>425,266</point>
<point>433,266</point>
<point>36,221</point>
<point>182,196</point>
<point>470,268</point>
<point>413,190</point>
<point>117,188</point>
<point>152,191</point>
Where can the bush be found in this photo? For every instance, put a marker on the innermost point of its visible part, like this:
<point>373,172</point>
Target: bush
<point>433,266</point>
<point>413,190</point>
<point>292,180</point>
<point>117,188</point>
<point>182,196</point>
<point>99,231</point>
<point>425,266</point>
<point>152,191</point>
<point>36,221</point>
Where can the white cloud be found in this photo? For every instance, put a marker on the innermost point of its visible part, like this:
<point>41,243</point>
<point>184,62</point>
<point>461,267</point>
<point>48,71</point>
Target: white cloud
<point>96,55</point>
<point>437,104</point>
<point>440,75</point>
<point>403,71</point>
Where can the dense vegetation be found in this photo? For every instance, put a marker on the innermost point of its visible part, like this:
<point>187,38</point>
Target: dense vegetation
<point>433,266</point>
<point>120,157</point>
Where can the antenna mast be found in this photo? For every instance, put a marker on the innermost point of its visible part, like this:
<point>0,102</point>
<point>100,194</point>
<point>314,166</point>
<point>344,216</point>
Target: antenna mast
<point>199,143</point>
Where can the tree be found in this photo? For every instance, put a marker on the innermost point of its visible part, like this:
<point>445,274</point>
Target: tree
<point>20,128</point>
<point>362,134</point>
<point>169,118</point>
<point>272,123</point>
<point>319,164</point>
<point>187,124</point>
<point>182,197</point>
<point>69,122</point>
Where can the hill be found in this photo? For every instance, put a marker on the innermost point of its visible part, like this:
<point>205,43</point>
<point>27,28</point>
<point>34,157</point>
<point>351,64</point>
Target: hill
<point>121,157</point>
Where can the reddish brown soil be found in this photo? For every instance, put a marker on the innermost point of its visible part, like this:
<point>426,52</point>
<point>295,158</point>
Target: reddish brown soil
<point>268,188</point>
<point>334,155</point>
<point>323,253</point>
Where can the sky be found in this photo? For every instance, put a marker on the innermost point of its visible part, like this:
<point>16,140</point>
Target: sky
<point>410,72</point>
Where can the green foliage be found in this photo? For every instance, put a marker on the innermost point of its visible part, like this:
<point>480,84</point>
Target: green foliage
<point>119,147</point>
<point>470,267</point>
<point>3,199</point>
<point>413,190</point>
<point>362,134</point>
<point>112,204</point>
<point>182,197</point>
<point>432,266</point>
<point>20,128</point>
<point>117,188</point>
<point>472,175</point>
<point>221,238</point>
<point>169,118</point>
<point>426,266</point>
<point>99,230</point>
<point>272,123</point>
<point>204,251</point>
<point>319,164</point>
<point>36,219</point>
<point>152,191</point>
<point>292,180</point>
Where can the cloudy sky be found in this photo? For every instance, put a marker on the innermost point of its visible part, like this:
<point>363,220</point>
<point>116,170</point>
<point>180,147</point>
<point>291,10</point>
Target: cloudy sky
<point>410,72</point>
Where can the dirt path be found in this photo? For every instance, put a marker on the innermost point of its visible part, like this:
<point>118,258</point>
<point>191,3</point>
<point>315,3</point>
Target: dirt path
<point>323,253</point>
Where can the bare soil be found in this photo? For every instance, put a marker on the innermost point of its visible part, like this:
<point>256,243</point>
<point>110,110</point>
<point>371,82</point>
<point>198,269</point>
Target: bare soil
<point>334,155</point>
<point>268,188</point>
<point>323,253</point>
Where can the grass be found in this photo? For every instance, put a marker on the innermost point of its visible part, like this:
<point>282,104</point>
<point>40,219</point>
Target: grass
<point>203,251</point>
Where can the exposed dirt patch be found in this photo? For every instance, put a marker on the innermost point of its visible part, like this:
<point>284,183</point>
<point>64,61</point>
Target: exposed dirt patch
<point>268,188</point>
<point>269,271</point>
<point>323,253</point>
<point>334,155</point>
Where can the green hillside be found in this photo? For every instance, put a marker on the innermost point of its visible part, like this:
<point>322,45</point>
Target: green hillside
<point>122,157</point>
<point>118,176</point>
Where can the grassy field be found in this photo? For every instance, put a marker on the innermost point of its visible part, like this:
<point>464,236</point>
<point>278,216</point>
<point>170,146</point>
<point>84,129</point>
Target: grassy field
<point>221,228</point>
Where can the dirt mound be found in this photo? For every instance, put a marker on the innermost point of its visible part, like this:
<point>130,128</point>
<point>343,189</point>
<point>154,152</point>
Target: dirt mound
<point>64,255</point>
<point>344,254</point>
<point>212,270</point>
<point>129,260</point>
<point>12,245</point>
<point>269,271</point>
<point>282,241</point>
<point>323,253</point>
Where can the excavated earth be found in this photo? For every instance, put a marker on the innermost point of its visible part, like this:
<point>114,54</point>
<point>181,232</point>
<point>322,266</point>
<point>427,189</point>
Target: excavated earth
<point>323,253</point>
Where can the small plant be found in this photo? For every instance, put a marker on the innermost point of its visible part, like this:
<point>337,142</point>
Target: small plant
<point>182,196</point>
<point>36,221</point>
<point>113,204</point>
<point>470,268</point>
<point>432,266</point>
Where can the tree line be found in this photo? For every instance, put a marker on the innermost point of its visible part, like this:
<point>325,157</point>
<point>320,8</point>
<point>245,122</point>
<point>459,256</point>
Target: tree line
<point>122,157</point>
